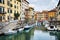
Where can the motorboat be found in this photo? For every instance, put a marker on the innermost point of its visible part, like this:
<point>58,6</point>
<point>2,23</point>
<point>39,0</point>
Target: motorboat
<point>27,27</point>
<point>10,32</point>
<point>52,27</point>
<point>20,29</point>
<point>47,25</point>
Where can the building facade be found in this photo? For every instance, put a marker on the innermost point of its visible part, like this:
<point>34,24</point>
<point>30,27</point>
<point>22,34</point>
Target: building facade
<point>39,16</point>
<point>24,6</point>
<point>45,15</point>
<point>31,13</point>
<point>8,8</point>
<point>52,15</point>
<point>58,11</point>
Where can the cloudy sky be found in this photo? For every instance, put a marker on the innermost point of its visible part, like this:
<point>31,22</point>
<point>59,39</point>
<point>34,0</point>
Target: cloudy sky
<point>40,5</point>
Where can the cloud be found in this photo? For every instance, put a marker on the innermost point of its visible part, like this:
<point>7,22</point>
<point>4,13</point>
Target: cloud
<point>43,4</point>
<point>33,0</point>
<point>32,5</point>
<point>53,3</point>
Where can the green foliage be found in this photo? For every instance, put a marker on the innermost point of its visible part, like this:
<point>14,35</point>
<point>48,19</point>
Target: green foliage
<point>16,15</point>
<point>26,20</point>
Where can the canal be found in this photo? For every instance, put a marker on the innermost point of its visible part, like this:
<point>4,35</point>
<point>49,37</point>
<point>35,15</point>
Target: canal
<point>34,34</point>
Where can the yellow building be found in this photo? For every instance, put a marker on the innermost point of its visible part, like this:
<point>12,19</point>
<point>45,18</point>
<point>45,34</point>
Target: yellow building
<point>44,15</point>
<point>39,16</point>
<point>8,8</point>
<point>52,14</point>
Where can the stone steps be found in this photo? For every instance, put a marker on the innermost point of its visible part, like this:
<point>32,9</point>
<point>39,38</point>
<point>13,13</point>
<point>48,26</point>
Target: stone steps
<point>10,25</point>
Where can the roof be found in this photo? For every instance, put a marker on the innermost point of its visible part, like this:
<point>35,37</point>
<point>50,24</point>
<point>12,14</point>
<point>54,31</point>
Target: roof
<point>54,10</point>
<point>58,3</point>
<point>31,8</point>
<point>26,1</point>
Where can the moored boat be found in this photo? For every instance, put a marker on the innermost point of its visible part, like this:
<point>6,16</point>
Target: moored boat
<point>27,27</point>
<point>20,29</point>
<point>52,28</point>
<point>10,32</point>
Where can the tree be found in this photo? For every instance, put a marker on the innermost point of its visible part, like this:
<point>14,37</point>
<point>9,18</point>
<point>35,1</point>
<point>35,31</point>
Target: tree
<point>16,15</point>
<point>26,20</point>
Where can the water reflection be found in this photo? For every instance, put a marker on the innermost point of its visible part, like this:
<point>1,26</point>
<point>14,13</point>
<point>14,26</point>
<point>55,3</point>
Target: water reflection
<point>34,34</point>
<point>56,34</point>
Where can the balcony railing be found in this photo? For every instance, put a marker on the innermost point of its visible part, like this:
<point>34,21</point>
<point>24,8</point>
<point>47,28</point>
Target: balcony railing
<point>2,12</point>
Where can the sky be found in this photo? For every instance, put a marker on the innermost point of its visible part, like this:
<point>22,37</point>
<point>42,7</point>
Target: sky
<point>40,5</point>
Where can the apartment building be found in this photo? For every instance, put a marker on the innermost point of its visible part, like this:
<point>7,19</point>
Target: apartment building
<point>52,15</point>
<point>8,8</point>
<point>44,15</point>
<point>31,13</point>
<point>24,6</point>
<point>58,11</point>
<point>41,16</point>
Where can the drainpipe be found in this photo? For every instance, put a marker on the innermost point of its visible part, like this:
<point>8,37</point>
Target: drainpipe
<point>2,18</point>
<point>21,9</point>
<point>21,6</point>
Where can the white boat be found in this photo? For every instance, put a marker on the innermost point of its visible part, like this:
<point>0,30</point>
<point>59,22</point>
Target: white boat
<point>52,27</point>
<point>47,25</point>
<point>21,29</point>
<point>10,32</point>
<point>27,27</point>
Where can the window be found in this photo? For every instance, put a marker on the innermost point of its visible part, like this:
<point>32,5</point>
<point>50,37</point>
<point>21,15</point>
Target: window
<point>14,6</point>
<point>15,11</point>
<point>2,1</point>
<point>9,10</point>
<point>8,17</point>
<point>59,12</point>
<point>0,18</point>
<point>8,3</point>
<point>1,9</point>
<point>11,5</point>
<point>3,17</point>
<point>10,0</point>
<point>59,7</point>
<point>14,1</point>
<point>17,2</point>
<point>20,4</point>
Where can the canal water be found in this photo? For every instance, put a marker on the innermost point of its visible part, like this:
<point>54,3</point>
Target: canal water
<point>34,34</point>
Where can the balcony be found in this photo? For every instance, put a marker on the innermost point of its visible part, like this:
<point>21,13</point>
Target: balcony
<point>2,12</point>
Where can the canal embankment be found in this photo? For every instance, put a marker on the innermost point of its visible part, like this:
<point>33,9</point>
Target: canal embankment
<point>12,25</point>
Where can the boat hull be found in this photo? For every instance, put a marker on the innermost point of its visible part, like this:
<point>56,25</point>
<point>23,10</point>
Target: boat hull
<point>10,32</point>
<point>26,28</point>
<point>52,29</point>
<point>21,29</point>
